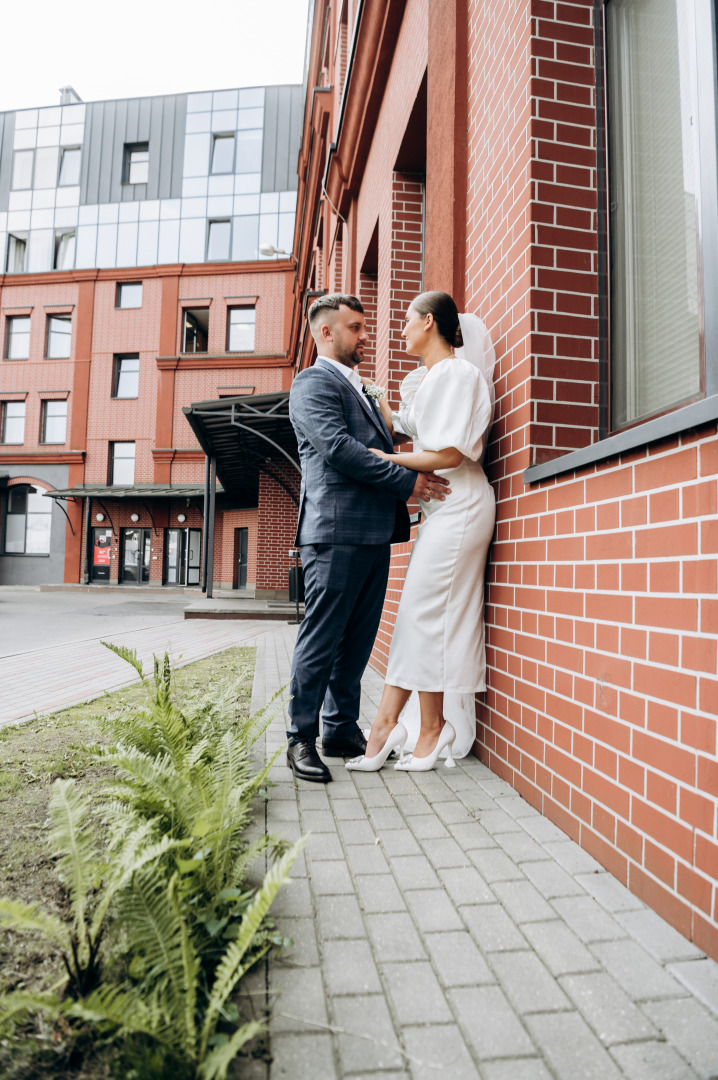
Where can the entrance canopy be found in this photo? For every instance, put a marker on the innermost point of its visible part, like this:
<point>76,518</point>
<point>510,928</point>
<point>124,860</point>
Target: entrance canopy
<point>244,435</point>
<point>131,491</point>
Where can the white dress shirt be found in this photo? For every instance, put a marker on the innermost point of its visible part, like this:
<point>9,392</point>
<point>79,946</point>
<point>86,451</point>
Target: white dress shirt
<point>352,375</point>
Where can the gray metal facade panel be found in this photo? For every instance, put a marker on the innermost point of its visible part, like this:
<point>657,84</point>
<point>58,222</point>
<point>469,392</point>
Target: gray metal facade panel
<point>155,136</point>
<point>92,149</point>
<point>180,111</point>
<point>7,134</point>
<point>269,141</point>
<point>114,162</point>
<point>295,137</point>
<point>284,116</point>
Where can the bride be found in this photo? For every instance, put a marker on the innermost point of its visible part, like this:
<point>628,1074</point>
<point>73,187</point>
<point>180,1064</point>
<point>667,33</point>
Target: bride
<point>437,648</point>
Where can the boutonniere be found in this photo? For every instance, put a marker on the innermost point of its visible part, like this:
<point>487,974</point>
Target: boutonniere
<point>373,391</point>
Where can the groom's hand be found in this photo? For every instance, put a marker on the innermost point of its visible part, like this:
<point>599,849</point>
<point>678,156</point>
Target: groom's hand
<point>430,486</point>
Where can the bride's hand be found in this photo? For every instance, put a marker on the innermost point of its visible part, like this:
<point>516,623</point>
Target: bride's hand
<point>380,454</point>
<point>367,380</point>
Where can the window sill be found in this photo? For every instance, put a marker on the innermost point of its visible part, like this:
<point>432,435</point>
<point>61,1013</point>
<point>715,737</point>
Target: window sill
<point>661,427</point>
<point>26,554</point>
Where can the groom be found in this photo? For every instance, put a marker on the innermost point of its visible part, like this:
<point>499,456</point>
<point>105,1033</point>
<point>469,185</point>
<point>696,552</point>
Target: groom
<point>352,507</point>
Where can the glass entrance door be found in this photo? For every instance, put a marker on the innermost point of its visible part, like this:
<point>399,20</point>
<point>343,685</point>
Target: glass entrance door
<point>182,556</point>
<point>136,554</point>
<point>101,554</point>
<point>241,549</point>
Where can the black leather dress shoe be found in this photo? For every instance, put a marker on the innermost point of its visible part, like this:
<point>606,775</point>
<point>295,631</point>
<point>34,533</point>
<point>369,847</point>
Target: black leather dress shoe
<point>304,761</point>
<point>350,745</point>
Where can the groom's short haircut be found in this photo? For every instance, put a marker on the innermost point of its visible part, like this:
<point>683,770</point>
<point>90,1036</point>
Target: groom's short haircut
<point>332,302</point>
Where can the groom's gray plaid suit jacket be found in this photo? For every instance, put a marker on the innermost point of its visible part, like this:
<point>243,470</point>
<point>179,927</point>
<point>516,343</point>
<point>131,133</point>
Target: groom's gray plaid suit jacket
<point>348,495</point>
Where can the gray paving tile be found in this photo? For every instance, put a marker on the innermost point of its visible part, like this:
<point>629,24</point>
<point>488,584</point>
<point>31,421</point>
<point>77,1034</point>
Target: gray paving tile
<point>324,846</point>
<point>492,929</point>
<point>465,885</point>
<point>571,1048</point>
<point>433,911</point>
<point>691,1029</point>
<point>379,893</point>
<point>416,994</point>
<point>386,818</point>
<point>426,826</point>
<point>366,859</point>
<point>330,878</point>
<point>551,880</point>
<point>445,852</point>
<point>497,821</point>
<point>520,847</point>
<point>414,872</point>
<point>315,798</point>
<point>349,968</point>
<point>638,973</point>
<point>609,892</point>
<point>319,821</point>
<point>412,804</point>
<point>372,1043</point>
<point>701,978</point>
<point>491,1025</point>
<point>339,917</point>
<point>457,960</point>
<point>573,858</point>
<point>588,919</point>
<point>559,948</point>
<point>399,842</point>
<point>495,864</point>
<point>452,812</point>
<point>438,1050</point>
<point>469,835</point>
<point>516,1069</point>
<point>293,899</point>
<point>303,952</point>
<point>303,1057</point>
<point>348,809</point>
<point>543,830</point>
<point>652,1061</point>
<point>523,901</point>
<point>356,832</point>
<point>378,796</point>
<point>297,999</point>
<point>527,982</point>
<point>608,1010</point>
<point>658,936</point>
<point>394,937</point>
<point>512,803</point>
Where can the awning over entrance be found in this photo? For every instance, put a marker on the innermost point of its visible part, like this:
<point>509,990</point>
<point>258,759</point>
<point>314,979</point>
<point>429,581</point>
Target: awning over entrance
<point>132,491</point>
<point>244,435</point>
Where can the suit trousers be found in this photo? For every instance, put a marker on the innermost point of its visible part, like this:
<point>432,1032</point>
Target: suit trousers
<point>344,588</point>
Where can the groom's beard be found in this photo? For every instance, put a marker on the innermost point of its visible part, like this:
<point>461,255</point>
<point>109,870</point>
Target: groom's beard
<point>350,359</point>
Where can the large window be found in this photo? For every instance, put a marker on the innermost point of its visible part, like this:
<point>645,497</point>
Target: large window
<point>54,422</point>
<point>70,166</point>
<point>195,330</point>
<point>223,154</point>
<point>122,463</point>
<point>59,336</point>
<point>240,329</point>
<point>16,252</point>
<point>218,241</point>
<point>27,522</point>
<point>127,376</point>
<point>659,137</point>
<point>12,429</point>
<point>137,163</point>
<point>22,169</point>
<point>65,249</point>
<point>17,337</point>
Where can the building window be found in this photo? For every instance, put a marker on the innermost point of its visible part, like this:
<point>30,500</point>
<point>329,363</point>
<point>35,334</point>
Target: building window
<point>657,289</point>
<point>122,463</point>
<point>65,250</point>
<point>13,423</point>
<point>129,294</point>
<point>16,252</point>
<point>223,154</point>
<point>137,163</point>
<point>54,422</point>
<point>45,175</point>
<point>218,239</point>
<point>126,381</point>
<point>240,329</point>
<point>195,330</point>
<point>70,166</point>
<point>59,336</point>
<point>22,169</point>
<point>17,342</point>
<point>27,522</point>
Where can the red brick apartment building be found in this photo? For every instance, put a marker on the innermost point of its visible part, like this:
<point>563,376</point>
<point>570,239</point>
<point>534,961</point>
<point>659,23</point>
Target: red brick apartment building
<point>133,286</point>
<point>553,165</point>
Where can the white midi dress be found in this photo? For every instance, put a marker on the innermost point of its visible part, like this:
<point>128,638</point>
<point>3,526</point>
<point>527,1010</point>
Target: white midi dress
<point>438,639</point>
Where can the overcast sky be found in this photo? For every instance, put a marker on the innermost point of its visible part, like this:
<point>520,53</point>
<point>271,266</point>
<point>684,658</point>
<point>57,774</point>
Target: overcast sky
<point>144,47</point>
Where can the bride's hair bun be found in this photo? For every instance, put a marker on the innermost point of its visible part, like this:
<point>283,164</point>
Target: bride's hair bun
<point>446,316</point>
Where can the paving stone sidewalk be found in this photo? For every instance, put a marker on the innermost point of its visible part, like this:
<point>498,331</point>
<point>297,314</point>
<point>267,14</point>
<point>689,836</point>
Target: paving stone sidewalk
<point>444,928</point>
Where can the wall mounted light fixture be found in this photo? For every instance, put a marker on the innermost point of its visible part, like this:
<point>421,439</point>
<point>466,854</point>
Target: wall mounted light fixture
<point>99,517</point>
<point>181,517</point>
<point>134,517</point>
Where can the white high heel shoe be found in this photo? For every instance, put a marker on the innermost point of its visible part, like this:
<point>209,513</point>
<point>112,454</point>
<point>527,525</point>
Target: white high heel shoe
<point>410,763</point>
<point>396,739</point>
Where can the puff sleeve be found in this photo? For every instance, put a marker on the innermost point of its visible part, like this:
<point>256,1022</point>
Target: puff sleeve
<point>402,420</point>
<point>453,408</point>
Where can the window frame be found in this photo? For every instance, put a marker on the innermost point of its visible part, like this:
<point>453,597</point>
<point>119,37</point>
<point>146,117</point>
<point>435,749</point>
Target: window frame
<point>241,307</point>
<point>9,320</point>
<point>65,317</point>
<point>25,554</point>
<point>111,462</point>
<point>679,418</point>
<point>3,422</point>
<point>190,311</point>
<point>118,293</point>
<point>117,362</point>
<point>130,149</point>
<point>44,441</point>
<point>218,221</point>
<point>23,239</point>
<point>68,150</point>
<point>217,136</point>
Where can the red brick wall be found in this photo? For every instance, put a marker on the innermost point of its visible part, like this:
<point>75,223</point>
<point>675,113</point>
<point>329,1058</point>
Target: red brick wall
<point>276,528</point>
